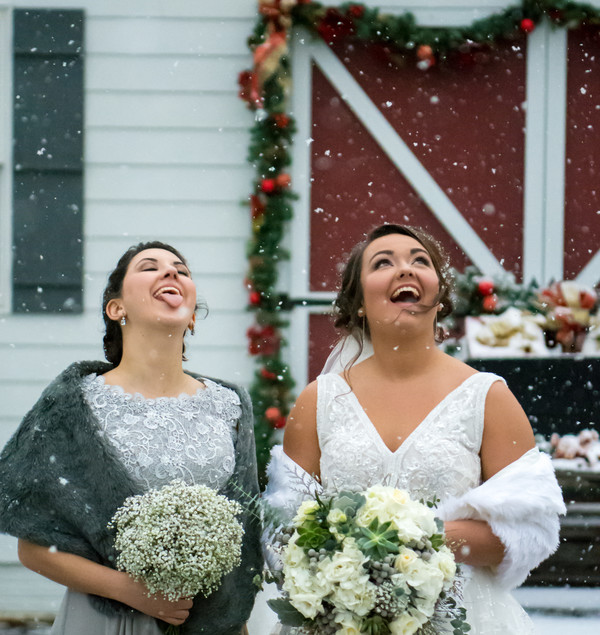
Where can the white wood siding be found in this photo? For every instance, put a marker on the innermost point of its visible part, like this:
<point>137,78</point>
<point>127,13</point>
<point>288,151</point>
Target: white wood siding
<point>165,158</point>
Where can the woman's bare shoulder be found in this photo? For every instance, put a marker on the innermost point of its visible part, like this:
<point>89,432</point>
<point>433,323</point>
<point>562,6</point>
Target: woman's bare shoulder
<point>300,441</point>
<point>455,367</point>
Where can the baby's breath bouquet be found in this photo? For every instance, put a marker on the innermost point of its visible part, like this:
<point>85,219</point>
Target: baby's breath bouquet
<point>373,562</point>
<point>179,540</point>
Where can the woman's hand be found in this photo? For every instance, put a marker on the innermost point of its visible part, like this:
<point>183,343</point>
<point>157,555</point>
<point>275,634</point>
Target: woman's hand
<point>135,594</point>
<point>85,576</point>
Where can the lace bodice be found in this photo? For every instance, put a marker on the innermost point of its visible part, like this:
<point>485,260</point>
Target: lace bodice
<point>190,437</point>
<point>440,458</point>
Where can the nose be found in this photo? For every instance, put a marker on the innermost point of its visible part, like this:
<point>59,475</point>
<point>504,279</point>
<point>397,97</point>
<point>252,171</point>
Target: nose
<point>171,270</point>
<point>405,271</point>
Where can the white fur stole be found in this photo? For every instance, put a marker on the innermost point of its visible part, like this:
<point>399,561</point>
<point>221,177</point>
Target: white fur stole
<point>521,503</point>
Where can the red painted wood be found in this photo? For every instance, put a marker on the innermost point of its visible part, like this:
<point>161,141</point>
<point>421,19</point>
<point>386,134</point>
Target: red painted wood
<point>322,337</point>
<point>582,170</point>
<point>465,124</point>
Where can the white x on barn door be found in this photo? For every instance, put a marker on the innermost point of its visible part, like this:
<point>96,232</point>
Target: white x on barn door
<point>540,226</point>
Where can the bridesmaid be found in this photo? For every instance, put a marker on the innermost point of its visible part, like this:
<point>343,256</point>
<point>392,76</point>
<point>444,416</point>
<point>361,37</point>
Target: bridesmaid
<point>104,431</point>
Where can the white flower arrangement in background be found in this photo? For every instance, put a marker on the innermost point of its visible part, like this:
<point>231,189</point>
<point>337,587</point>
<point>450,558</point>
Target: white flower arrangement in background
<point>373,562</point>
<point>179,540</point>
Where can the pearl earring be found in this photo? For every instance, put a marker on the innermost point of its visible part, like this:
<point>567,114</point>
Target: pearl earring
<point>361,312</point>
<point>123,321</point>
<point>441,306</point>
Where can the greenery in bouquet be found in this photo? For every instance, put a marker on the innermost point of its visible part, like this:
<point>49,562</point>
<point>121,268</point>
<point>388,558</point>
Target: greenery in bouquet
<point>373,562</point>
<point>179,540</point>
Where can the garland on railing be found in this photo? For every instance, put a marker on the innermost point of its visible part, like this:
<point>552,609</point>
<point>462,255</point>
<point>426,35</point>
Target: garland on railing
<point>265,89</point>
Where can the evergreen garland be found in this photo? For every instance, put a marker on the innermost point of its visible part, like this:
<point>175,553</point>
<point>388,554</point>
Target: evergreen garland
<point>265,89</point>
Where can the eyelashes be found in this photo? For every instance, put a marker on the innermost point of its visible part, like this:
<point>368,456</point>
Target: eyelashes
<point>386,261</point>
<point>185,273</point>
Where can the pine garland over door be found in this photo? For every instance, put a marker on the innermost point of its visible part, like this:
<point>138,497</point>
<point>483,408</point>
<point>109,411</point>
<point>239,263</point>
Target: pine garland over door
<point>265,89</point>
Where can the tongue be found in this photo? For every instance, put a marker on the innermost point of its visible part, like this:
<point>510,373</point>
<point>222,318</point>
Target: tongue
<point>172,299</point>
<point>406,297</point>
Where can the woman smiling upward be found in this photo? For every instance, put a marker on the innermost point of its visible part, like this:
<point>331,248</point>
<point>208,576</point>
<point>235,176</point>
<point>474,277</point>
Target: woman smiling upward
<point>104,431</point>
<point>410,416</point>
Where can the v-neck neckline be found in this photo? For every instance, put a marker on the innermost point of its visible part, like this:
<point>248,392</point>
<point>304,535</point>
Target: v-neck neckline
<point>375,432</point>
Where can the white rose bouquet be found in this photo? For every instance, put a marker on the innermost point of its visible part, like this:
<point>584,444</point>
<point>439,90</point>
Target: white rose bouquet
<point>373,562</point>
<point>179,540</point>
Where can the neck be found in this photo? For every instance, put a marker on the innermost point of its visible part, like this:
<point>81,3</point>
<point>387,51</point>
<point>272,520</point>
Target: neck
<point>404,353</point>
<point>151,363</point>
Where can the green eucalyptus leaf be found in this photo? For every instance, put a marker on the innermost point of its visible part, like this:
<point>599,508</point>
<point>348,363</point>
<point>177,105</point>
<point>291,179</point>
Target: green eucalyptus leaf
<point>287,614</point>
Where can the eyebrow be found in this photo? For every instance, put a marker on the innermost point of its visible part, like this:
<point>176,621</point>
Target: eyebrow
<point>389,252</point>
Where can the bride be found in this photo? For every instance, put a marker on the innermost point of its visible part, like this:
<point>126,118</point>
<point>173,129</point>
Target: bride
<point>411,416</point>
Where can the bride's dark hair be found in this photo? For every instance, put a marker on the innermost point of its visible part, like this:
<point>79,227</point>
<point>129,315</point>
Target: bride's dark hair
<point>350,295</point>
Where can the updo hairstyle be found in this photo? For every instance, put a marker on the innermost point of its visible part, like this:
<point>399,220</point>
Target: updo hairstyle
<point>113,338</point>
<point>350,295</point>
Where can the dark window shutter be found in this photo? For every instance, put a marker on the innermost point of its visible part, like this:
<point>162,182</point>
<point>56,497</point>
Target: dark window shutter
<point>48,161</point>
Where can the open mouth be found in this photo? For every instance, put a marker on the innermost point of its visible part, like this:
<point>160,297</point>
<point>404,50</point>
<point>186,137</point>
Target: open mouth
<point>169,290</point>
<point>406,294</point>
<point>171,295</point>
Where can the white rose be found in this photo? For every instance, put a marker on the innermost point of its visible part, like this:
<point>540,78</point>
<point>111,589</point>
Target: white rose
<point>407,623</point>
<point>383,503</point>
<point>302,580</point>
<point>412,520</point>
<point>293,556</point>
<point>405,559</point>
<point>425,578</point>
<point>336,516</point>
<point>428,586</point>
<point>305,590</point>
<point>306,508</point>
<point>344,564</point>
<point>309,604</point>
<point>444,561</point>
<point>356,595</point>
<point>424,517</point>
<point>346,623</point>
<point>425,604</point>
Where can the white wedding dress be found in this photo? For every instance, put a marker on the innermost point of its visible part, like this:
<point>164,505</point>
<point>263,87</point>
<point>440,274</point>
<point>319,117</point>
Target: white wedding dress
<point>439,459</point>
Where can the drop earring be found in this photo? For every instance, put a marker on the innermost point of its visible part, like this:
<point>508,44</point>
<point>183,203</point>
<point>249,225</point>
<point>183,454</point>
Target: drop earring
<point>123,321</point>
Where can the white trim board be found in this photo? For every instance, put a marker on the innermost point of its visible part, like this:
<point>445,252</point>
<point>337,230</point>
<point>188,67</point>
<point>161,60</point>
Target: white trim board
<point>6,211</point>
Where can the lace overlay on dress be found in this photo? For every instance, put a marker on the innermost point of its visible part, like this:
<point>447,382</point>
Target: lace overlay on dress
<point>190,437</point>
<point>440,458</point>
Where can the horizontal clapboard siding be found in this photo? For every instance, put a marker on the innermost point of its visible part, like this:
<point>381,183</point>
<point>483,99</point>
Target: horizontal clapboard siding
<point>165,158</point>
<point>165,153</point>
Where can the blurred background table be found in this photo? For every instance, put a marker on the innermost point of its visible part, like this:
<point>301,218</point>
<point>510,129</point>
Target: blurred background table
<point>559,394</point>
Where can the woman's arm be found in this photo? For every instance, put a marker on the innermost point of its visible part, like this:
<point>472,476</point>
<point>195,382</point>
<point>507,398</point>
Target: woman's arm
<point>300,441</point>
<point>85,576</point>
<point>473,542</point>
<point>507,435</point>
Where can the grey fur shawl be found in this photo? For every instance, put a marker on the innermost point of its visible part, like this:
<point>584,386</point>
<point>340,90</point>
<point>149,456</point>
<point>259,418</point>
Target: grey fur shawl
<point>60,484</point>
